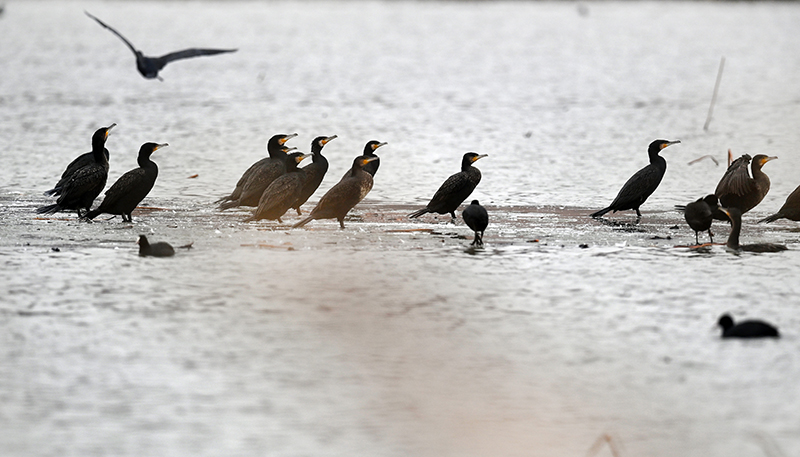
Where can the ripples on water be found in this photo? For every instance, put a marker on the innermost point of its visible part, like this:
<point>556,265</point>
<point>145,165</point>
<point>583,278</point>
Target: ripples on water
<point>371,342</point>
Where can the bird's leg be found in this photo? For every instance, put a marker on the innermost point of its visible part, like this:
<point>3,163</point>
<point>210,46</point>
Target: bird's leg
<point>453,216</point>
<point>711,236</point>
<point>638,214</point>
<point>280,221</point>
<point>341,224</point>
<point>696,239</point>
<point>298,212</point>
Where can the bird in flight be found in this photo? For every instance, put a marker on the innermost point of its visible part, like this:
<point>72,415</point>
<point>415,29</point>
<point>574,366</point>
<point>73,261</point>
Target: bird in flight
<point>150,66</point>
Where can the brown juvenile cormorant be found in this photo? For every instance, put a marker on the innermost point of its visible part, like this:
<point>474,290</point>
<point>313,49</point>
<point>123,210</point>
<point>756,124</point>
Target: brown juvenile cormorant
<point>738,190</point>
<point>369,151</point>
<point>699,215</point>
<point>314,172</point>
<point>131,188</point>
<point>477,219</point>
<point>642,184</point>
<point>277,153</point>
<point>790,210</point>
<point>279,196</point>
<point>342,197</point>
<point>746,329</point>
<point>455,189</point>
<point>733,239</point>
<point>160,249</point>
<point>150,66</point>
<point>98,143</point>
<point>83,186</point>
<point>260,178</point>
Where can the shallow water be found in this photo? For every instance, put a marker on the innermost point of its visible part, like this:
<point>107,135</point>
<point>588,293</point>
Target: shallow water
<point>392,337</point>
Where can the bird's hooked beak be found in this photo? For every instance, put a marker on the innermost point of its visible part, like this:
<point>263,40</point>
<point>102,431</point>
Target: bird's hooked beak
<point>479,157</point>
<point>765,160</point>
<point>376,146</point>
<point>669,143</point>
<point>287,149</point>
<point>159,146</point>
<point>328,139</point>
<point>283,140</point>
<point>367,160</point>
<point>108,129</point>
<point>300,158</point>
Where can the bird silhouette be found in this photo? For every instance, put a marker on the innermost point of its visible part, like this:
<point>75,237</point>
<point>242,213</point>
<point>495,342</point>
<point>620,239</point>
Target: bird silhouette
<point>150,66</point>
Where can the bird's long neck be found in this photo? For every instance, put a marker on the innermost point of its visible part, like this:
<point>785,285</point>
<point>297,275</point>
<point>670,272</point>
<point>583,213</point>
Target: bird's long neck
<point>736,228</point>
<point>145,162</point>
<point>99,151</point>
<point>759,176</point>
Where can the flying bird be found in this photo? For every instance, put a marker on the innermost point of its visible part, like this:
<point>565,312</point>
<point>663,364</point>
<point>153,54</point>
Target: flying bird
<point>150,66</point>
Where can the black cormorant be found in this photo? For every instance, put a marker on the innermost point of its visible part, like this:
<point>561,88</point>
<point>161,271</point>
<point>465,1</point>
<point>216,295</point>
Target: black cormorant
<point>369,151</point>
<point>314,172</point>
<point>279,196</point>
<point>455,189</point>
<point>82,186</point>
<point>160,249</point>
<point>699,215</point>
<point>642,184</point>
<point>343,196</point>
<point>477,219</point>
<point>277,153</point>
<point>746,329</point>
<point>150,66</point>
<point>790,210</point>
<point>98,143</point>
<point>131,188</point>
<point>733,239</point>
<point>738,190</point>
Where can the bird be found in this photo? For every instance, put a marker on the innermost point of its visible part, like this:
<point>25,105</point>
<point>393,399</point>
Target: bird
<point>83,185</point>
<point>455,189</point>
<point>277,154</point>
<point>737,189</point>
<point>477,219</point>
<point>160,249</point>
<point>699,215</point>
<point>314,172</point>
<point>369,151</point>
<point>281,194</point>
<point>344,195</point>
<point>642,184</point>
<point>150,66</point>
<point>98,143</point>
<point>746,329</point>
<point>132,187</point>
<point>790,209</point>
<point>733,239</point>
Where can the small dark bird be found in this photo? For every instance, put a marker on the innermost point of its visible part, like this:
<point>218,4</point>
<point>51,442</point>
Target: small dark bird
<point>790,210</point>
<point>477,219</point>
<point>131,188</point>
<point>343,196</point>
<point>699,215</point>
<point>150,66</point>
<point>455,189</point>
<point>98,143</point>
<point>369,151</point>
<point>642,184</point>
<point>277,157</point>
<point>279,196</point>
<point>738,190</point>
<point>733,239</point>
<point>314,172</point>
<point>160,249</point>
<point>746,329</point>
<point>83,185</point>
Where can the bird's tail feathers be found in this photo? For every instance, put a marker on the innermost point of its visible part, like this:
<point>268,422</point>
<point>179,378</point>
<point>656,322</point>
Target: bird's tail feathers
<point>49,209</point>
<point>303,222</point>
<point>230,204</point>
<point>93,214</point>
<point>681,208</point>
<point>418,213</point>
<point>52,192</point>
<point>600,213</point>
<point>772,218</point>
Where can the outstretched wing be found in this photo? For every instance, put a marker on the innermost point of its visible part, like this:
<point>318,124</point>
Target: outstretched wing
<point>736,180</point>
<point>133,49</point>
<point>187,53</point>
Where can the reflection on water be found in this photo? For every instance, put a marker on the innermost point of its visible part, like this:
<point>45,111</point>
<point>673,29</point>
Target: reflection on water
<point>382,339</point>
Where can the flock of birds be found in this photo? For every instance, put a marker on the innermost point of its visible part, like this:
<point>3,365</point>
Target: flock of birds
<point>276,184</point>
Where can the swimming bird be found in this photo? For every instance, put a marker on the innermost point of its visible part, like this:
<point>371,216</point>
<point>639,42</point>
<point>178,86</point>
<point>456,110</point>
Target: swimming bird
<point>83,185</point>
<point>737,189</point>
<point>343,196</point>
<point>132,187</point>
<point>733,239</point>
<point>642,184</point>
<point>150,66</point>
<point>369,151</point>
<point>277,154</point>
<point>477,219</point>
<point>279,196</point>
<point>160,249</point>
<point>98,143</point>
<point>314,172</point>
<point>699,215</point>
<point>455,189</point>
<point>746,329</point>
<point>790,209</point>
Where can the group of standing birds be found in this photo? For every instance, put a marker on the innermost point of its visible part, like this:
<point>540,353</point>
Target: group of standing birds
<point>737,193</point>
